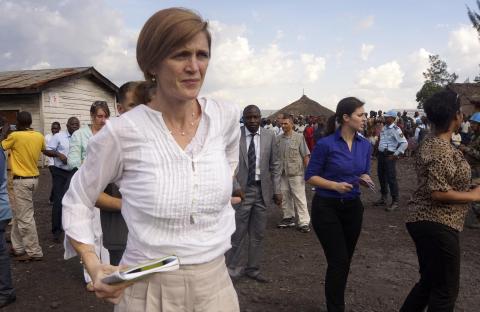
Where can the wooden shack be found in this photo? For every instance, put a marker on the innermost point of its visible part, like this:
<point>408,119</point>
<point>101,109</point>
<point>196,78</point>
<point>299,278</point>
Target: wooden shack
<point>54,95</point>
<point>469,95</point>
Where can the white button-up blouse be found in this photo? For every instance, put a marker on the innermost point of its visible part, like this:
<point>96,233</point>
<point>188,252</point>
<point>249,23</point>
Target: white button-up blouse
<point>173,202</point>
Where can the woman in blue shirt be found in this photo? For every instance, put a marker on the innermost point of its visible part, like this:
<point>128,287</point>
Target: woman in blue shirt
<point>340,162</point>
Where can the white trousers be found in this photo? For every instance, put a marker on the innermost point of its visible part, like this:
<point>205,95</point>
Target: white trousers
<point>294,199</point>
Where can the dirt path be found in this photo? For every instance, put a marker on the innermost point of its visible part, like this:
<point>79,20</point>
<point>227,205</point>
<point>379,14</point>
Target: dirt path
<point>383,270</point>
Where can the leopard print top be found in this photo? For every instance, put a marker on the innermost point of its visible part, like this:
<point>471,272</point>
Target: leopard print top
<point>440,167</point>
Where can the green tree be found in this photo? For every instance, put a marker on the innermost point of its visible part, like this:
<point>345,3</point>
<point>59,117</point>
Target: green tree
<point>438,73</point>
<point>437,77</point>
<point>475,19</point>
<point>427,90</point>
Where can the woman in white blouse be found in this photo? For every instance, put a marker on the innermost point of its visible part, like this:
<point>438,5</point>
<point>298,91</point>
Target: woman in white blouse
<point>173,160</point>
<point>77,153</point>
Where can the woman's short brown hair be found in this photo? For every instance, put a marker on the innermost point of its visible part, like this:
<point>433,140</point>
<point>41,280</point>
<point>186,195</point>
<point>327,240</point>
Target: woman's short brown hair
<point>99,105</point>
<point>164,32</point>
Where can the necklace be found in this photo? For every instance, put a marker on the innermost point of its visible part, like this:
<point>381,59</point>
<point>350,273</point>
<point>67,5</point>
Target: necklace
<point>183,131</point>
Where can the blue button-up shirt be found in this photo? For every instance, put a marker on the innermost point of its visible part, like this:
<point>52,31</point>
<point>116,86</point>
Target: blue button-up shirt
<point>392,140</point>
<point>60,142</point>
<point>5,211</point>
<point>332,160</point>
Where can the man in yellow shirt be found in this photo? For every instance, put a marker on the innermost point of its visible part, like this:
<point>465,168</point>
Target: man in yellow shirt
<point>25,146</point>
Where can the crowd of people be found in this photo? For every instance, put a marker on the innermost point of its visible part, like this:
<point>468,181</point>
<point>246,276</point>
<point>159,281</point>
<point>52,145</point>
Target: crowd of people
<point>176,174</point>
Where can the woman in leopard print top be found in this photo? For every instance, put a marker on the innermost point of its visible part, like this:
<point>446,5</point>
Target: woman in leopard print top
<point>440,167</point>
<point>438,208</point>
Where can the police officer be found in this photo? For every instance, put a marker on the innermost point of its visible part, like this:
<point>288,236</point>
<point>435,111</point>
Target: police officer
<point>391,145</point>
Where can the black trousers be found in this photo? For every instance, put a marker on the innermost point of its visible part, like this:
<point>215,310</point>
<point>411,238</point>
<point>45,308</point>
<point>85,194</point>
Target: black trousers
<point>438,252</point>
<point>337,224</point>
<point>6,285</point>
<point>61,182</point>
<point>50,168</point>
<point>387,175</point>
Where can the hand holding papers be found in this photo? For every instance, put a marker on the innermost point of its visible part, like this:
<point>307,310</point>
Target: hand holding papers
<point>169,263</point>
<point>365,180</point>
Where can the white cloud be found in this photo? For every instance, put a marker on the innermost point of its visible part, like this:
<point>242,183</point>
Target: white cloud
<point>279,35</point>
<point>236,64</point>
<point>301,37</point>
<point>224,95</point>
<point>463,54</point>
<point>257,16</point>
<point>222,32</point>
<point>314,66</point>
<point>117,58</point>
<point>386,76</point>
<point>442,26</point>
<point>417,63</point>
<point>271,74</point>
<point>367,22</point>
<point>49,34</point>
<point>339,56</point>
<point>41,65</point>
<point>366,50</point>
<point>465,40</point>
<point>330,101</point>
<point>386,99</point>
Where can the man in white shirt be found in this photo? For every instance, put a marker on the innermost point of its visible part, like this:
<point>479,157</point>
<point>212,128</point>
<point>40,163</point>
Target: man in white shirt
<point>420,127</point>
<point>55,128</point>
<point>277,129</point>
<point>456,138</point>
<point>57,148</point>
<point>301,127</point>
<point>416,117</point>
<point>465,130</point>
<point>268,125</point>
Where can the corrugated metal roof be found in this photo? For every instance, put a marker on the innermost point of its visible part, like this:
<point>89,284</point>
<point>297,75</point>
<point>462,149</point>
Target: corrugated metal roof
<point>32,79</point>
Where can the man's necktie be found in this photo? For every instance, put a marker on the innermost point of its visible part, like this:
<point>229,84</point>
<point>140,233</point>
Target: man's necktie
<point>252,160</point>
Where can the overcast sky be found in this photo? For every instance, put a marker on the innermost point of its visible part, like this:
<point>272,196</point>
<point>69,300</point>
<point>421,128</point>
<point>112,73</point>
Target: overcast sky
<point>264,52</point>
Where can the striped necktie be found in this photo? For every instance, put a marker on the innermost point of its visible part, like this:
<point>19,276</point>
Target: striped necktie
<point>252,160</point>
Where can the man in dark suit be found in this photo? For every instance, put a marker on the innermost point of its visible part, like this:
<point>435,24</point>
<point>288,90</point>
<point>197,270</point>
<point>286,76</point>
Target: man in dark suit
<point>258,175</point>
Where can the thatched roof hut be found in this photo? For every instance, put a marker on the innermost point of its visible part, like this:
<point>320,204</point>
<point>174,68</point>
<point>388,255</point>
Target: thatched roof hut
<point>469,96</point>
<point>306,107</point>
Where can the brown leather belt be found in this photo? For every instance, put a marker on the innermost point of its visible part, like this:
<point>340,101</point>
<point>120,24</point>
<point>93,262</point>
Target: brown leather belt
<point>19,177</point>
